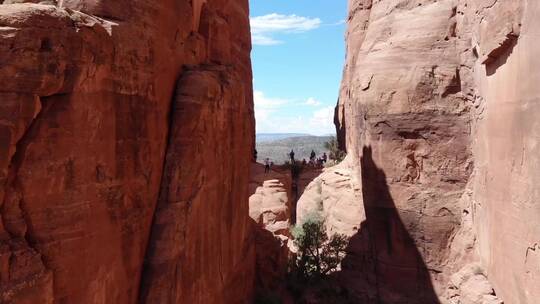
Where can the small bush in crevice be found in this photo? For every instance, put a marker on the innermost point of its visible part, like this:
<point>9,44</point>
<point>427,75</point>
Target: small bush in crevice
<point>334,153</point>
<point>318,255</point>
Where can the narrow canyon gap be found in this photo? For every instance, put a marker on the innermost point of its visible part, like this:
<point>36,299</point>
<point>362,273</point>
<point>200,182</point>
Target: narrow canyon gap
<point>127,127</point>
<point>437,192</point>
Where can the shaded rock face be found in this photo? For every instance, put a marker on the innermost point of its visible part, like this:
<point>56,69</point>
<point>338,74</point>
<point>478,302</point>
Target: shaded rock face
<point>123,131</point>
<point>336,196</point>
<point>436,112</point>
<point>382,262</point>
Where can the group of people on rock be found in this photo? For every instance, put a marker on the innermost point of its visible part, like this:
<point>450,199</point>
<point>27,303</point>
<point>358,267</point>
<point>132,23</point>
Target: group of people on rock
<point>314,161</point>
<point>267,163</point>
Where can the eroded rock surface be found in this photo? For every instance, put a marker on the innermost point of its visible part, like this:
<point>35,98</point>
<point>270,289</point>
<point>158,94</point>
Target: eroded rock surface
<point>109,111</point>
<point>333,194</point>
<point>435,112</point>
<point>271,202</point>
<point>505,197</point>
<point>270,207</point>
<point>407,134</point>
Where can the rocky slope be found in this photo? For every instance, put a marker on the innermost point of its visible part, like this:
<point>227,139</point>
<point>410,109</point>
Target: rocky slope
<point>122,126</point>
<point>436,112</point>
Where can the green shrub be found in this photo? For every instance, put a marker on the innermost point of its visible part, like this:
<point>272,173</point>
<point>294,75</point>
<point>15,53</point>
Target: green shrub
<point>334,153</point>
<point>318,255</point>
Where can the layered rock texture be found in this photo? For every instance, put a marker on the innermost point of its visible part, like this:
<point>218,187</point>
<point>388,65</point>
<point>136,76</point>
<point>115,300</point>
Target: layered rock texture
<point>436,112</point>
<point>126,130</point>
<point>270,207</point>
<point>332,193</point>
<point>125,134</point>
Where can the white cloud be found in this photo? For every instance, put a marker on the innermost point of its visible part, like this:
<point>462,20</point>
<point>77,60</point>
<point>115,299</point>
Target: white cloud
<point>312,102</point>
<point>315,124</point>
<point>265,106</point>
<point>283,23</point>
<point>264,27</point>
<point>323,117</point>
<point>259,39</point>
<point>340,22</point>
<point>322,121</point>
<point>272,117</point>
<point>263,102</point>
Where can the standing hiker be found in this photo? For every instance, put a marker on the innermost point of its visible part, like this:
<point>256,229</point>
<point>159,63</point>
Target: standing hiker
<point>267,165</point>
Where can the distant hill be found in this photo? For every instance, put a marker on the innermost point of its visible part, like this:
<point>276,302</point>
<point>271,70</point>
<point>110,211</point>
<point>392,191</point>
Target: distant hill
<point>264,137</point>
<point>278,150</point>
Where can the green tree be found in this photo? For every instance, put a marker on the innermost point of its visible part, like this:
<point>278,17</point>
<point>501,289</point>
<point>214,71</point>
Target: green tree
<point>334,153</point>
<point>318,255</point>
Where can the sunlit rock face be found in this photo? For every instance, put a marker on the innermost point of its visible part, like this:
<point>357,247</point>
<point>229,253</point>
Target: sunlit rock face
<point>406,129</point>
<point>126,130</point>
<point>436,111</point>
<point>332,193</point>
<point>505,199</point>
<point>271,207</point>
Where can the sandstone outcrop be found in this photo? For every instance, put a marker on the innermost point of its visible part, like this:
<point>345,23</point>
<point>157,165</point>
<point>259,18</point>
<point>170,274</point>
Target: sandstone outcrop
<point>271,202</point>
<point>123,130</point>
<point>333,195</point>
<point>436,113</point>
<point>270,207</point>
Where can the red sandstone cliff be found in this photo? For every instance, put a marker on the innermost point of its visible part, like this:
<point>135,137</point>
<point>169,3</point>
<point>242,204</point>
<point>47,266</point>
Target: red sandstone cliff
<point>437,112</point>
<point>505,201</point>
<point>126,130</point>
<point>125,134</point>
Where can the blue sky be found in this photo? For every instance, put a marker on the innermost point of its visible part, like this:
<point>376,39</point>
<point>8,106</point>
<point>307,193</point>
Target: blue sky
<point>298,55</point>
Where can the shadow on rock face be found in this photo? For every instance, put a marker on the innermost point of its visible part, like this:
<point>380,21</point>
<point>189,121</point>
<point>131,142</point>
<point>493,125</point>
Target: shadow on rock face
<point>383,251</point>
<point>382,264</point>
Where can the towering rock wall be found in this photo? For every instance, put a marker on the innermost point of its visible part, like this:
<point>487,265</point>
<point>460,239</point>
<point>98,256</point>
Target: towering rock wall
<point>436,112</point>
<point>407,133</point>
<point>125,136</point>
<point>505,190</point>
